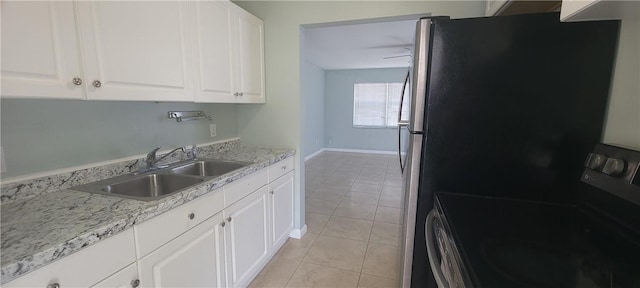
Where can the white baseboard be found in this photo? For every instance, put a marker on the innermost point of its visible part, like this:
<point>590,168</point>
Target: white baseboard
<point>314,154</point>
<point>298,233</point>
<point>360,151</point>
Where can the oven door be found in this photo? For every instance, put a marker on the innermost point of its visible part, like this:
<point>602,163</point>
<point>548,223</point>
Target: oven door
<point>443,257</point>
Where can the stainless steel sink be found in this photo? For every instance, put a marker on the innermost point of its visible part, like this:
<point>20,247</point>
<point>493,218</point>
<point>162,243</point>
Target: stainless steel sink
<point>208,168</point>
<point>146,187</point>
<point>164,182</point>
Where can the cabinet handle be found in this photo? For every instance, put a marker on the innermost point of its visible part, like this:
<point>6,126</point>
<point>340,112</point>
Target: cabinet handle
<point>223,224</point>
<point>284,167</point>
<point>191,216</point>
<point>77,81</point>
<point>135,283</point>
<point>236,94</point>
<point>228,219</point>
<point>54,285</point>
<point>96,83</point>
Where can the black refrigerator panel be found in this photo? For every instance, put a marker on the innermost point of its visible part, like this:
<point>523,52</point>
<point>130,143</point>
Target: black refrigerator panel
<point>515,104</point>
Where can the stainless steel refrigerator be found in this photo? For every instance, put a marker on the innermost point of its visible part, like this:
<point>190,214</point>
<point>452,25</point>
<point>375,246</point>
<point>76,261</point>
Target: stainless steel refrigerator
<point>499,107</point>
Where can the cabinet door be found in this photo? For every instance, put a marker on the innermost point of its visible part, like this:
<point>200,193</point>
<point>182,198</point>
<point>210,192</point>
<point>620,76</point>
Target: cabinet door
<point>194,259</point>
<point>247,237</point>
<point>125,278</point>
<point>212,52</point>
<point>250,57</point>
<point>40,55</point>
<point>137,50</point>
<point>281,195</point>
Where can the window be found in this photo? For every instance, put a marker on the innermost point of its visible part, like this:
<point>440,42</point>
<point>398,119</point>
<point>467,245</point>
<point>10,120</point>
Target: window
<point>377,104</point>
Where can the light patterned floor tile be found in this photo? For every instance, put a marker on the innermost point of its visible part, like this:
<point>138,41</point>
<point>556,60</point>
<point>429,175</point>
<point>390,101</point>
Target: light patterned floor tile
<point>296,249</point>
<point>388,214</point>
<point>356,229</point>
<point>370,281</point>
<point>337,252</point>
<point>356,210</point>
<point>385,233</point>
<point>313,275</point>
<point>381,260</point>
<point>276,274</point>
<point>321,206</point>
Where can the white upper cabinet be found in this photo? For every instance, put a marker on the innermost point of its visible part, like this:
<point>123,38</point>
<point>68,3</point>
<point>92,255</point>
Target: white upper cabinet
<point>40,55</point>
<point>136,50</point>
<point>585,10</point>
<point>212,52</point>
<point>202,51</point>
<point>250,57</point>
<point>228,54</point>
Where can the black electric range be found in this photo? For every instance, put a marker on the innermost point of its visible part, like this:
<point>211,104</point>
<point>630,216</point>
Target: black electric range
<point>518,243</point>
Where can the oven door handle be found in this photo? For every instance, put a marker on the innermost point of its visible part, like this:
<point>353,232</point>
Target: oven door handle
<point>431,251</point>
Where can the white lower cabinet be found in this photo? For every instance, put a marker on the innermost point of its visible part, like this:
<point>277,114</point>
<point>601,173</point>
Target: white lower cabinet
<point>281,198</point>
<point>125,278</point>
<point>247,237</point>
<point>194,259</point>
<point>84,268</point>
<point>222,239</point>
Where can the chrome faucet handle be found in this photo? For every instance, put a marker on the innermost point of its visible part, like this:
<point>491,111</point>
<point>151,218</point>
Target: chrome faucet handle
<point>151,157</point>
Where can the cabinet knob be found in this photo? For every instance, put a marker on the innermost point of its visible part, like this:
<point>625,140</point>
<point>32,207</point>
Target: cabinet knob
<point>284,167</point>
<point>135,283</point>
<point>223,224</point>
<point>271,192</point>
<point>236,94</point>
<point>77,81</point>
<point>241,94</point>
<point>191,216</point>
<point>96,83</point>
<point>54,285</point>
<point>228,219</point>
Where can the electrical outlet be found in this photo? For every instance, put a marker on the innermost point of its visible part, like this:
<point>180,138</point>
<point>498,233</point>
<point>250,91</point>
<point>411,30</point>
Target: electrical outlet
<point>212,130</point>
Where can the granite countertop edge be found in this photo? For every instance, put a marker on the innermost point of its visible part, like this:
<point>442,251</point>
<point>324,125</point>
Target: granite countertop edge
<point>134,212</point>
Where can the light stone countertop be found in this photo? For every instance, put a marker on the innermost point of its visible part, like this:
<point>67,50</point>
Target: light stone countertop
<point>39,230</point>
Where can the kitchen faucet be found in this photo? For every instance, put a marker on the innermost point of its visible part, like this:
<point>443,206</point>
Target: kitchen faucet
<point>152,161</point>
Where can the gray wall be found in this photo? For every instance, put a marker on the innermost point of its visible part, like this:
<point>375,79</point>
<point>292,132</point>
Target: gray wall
<point>339,110</point>
<point>313,113</point>
<point>41,135</point>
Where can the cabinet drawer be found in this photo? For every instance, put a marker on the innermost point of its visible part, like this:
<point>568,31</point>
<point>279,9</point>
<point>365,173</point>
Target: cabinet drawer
<point>85,267</point>
<point>278,169</point>
<point>161,229</point>
<point>244,186</point>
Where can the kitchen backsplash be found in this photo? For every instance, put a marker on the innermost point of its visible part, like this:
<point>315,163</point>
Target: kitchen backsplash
<point>29,188</point>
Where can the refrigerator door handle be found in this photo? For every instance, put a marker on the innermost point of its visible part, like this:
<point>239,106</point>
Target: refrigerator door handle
<point>431,251</point>
<point>402,124</point>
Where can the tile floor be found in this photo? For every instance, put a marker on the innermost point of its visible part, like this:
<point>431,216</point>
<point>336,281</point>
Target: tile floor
<point>353,215</point>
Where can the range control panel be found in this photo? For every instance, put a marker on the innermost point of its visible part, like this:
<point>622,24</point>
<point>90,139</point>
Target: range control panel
<point>615,170</point>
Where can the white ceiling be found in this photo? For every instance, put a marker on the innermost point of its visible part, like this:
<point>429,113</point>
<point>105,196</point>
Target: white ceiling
<point>360,46</point>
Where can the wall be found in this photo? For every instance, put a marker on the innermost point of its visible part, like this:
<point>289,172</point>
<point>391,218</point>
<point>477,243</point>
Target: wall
<point>313,110</point>
<point>623,120</point>
<point>277,123</point>
<point>41,135</point>
<point>339,110</point>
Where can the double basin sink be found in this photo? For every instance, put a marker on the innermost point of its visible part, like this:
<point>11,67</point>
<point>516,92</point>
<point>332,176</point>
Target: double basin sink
<point>164,182</point>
